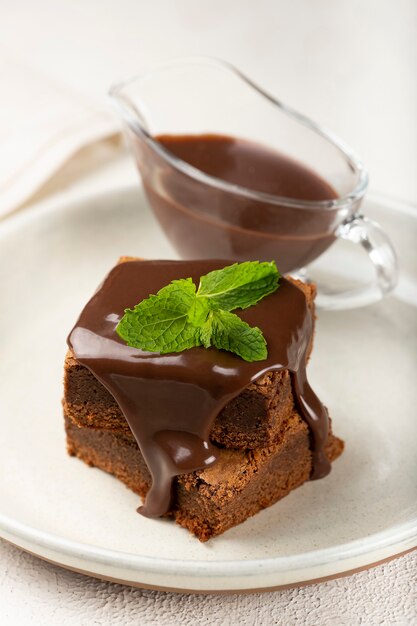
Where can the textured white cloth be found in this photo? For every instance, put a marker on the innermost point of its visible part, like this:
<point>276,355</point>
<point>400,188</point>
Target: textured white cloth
<point>41,126</point>
<point>34,592</point>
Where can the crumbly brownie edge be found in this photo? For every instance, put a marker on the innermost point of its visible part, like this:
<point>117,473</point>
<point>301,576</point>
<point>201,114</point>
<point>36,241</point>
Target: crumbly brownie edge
<point>208,502</point>
<point>252,419</point>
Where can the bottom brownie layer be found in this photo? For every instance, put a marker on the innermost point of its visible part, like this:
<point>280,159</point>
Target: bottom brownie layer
<point>210,501</point>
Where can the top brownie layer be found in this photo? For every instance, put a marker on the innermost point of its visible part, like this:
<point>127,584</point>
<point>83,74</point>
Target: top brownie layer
<point>253,419</point>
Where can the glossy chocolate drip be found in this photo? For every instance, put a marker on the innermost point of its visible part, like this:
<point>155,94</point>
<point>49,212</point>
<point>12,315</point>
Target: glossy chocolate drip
<point>171,401</point>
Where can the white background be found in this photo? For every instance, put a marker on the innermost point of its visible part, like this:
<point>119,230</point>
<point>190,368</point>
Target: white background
<point>349,64</point>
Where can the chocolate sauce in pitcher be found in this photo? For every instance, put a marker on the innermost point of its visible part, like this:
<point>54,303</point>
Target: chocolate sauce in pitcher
<point>205,219</point>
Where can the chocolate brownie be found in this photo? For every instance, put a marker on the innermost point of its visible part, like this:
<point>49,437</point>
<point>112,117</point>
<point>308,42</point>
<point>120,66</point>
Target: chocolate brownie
<point>222,438</point>
<point>251,420</point>
<point>208,502</point>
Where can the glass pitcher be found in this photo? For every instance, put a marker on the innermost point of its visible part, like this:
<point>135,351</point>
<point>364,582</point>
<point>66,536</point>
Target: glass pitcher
<point>205,216</point>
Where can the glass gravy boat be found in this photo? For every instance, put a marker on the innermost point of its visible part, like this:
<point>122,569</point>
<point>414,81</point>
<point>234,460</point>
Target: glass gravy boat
<point>205,216</point>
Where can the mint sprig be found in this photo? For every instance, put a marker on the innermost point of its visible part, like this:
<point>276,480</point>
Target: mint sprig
<point>226,331</point>
<point>160,323</point>
<point>179,316</point>
<point>240,285</point>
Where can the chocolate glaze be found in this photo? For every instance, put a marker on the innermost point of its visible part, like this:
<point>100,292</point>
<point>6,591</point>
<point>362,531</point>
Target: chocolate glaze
<point>206,221</point>
<point>171,401</point>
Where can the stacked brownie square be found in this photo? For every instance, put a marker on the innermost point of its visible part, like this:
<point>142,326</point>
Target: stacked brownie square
<point>264,448</point>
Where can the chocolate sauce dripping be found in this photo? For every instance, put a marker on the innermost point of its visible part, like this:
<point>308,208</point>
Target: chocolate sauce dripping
<point>171,401</point>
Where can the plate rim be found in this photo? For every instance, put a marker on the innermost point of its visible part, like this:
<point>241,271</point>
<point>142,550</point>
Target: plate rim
<point>223,591</point>
<point>392,541</point>
<point>406,535</point>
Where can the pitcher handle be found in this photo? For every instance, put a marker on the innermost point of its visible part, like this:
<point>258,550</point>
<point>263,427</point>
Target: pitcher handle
<point>364,231</point>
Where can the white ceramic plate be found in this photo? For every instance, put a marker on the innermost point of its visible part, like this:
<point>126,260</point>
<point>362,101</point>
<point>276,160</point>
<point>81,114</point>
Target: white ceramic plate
<point>364,367</point>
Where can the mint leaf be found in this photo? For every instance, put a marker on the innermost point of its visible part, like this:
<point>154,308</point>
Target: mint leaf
<point>179,317</point>
<point>226,331</point>
<point>160,323</point>
<point>199,310</point>
<point>240,285</point>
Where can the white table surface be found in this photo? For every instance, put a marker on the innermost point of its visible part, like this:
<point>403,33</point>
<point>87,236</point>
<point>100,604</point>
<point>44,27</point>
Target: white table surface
<point>350,64</point>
